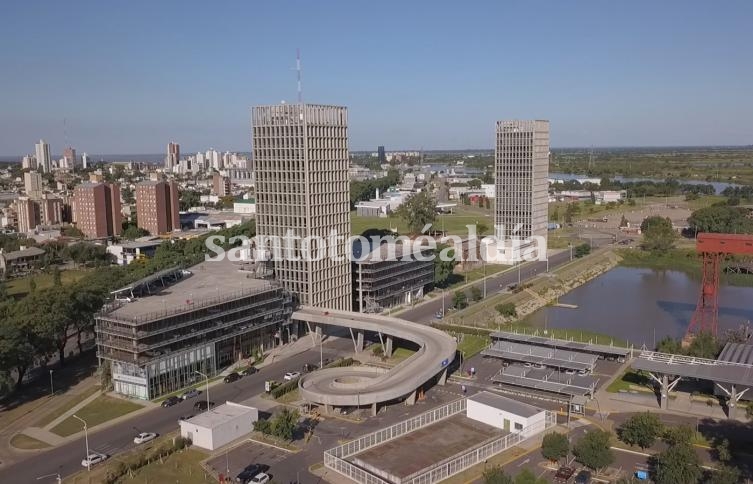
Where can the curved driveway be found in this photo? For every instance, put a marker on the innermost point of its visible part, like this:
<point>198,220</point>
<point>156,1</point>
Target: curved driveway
<point>357,386</point>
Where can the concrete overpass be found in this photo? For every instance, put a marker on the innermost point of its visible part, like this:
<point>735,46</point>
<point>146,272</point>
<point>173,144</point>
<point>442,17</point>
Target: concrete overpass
<point>360,386</point>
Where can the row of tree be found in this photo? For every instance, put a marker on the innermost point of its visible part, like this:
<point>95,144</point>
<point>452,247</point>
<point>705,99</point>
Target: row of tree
<point>366,189</point>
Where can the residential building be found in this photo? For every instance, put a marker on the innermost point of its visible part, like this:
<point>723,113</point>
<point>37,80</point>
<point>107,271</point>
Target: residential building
<point>173,156</point>
<point>97,209</point>
<point>381,155</point>
<point>186,321</point>
<point>522,170</point>
<point>33,184</point>
<point>19,262</point>
<point>390,275</point>
<point>28,214</point>
<point>28,162</point>
<point>157,206</point>
<point>51,209</point>
<point>42,151</point>
<point>69,158</point>
<point>220,185</point>
<point>84,161</point>
<point>128,252</point>
<point>300,153</point>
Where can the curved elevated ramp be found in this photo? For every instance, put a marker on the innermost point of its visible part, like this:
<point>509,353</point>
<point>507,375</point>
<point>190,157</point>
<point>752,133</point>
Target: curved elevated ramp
<point>358,386</point>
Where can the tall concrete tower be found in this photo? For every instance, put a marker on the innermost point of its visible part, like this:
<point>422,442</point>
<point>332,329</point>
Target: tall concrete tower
<point>173,156</point>
<point>521,178</point>
<point>300,152</point>
<point>42,150</point>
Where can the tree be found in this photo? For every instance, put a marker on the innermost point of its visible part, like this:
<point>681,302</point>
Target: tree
<point>721,219</point>
<point>56,281</point>
<point>669,345</point>
<point>507,310</point>
<point>555,446</point>
<point>474,184</point>
<point>418,211</point>
<point>264,426</point>
<point>459,300</point>
<point>72,231</point>
<point>18,345</point>
<point>495,475</point>
<point>526,476</point>
<point>582,250</point>
<point>658,234</point>
<point>476,294</point>
<point>641,429</point>
<point>556,214</point>
<point>704,345</point>
<point>624,221</point>
<point>679,463</point>
<point>133,232</point>
<point>593,450</point>
<point>285,423</point>
<point>725,474</point>
<point>723,453</point>
<point>443,269</point>
<point>677,435</point>
<point>189,198</point>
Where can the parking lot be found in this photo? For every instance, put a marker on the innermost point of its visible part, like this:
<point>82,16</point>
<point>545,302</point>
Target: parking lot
<point>238,458</point>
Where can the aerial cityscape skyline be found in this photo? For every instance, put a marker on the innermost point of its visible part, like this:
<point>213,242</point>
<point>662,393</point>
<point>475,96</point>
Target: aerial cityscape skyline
<point>616,76</point>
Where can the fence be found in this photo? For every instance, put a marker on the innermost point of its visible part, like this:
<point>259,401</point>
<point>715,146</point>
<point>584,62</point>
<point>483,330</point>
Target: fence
<point>335,458</point>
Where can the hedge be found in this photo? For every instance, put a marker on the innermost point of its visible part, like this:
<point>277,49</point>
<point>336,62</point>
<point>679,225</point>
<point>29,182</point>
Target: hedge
<point>141,459</point>
<point>463,329</point>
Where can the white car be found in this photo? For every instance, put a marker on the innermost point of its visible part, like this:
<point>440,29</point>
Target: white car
<point>291,375</point>
<point>260,478</point>
<point>144,437</point>
<point>93,458</point>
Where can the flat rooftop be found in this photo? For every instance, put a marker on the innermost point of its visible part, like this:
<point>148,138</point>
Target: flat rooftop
<point>552,357</point>
<point>209,283</point>
<point>560,343</point>
<point>425,447</point>
<point>220,415</point>
<point>503,403</point>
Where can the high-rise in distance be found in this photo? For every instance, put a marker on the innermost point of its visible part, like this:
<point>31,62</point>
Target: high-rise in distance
<point>173,156</point>
<point>44,160</point>
<point>301,156</point>
<point>521,179</point>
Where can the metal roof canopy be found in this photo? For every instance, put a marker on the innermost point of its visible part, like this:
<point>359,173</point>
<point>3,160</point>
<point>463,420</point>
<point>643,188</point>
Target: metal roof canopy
<point>537,384</point>
<point>148,280</point>
<point>561,343</point>
<point>557,358</point>
<point>691,367</point>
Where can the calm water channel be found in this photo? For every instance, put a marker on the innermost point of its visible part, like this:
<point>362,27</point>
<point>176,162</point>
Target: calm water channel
<point>639,305</point>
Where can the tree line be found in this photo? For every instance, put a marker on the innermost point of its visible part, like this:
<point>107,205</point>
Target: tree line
<point>39,326</point>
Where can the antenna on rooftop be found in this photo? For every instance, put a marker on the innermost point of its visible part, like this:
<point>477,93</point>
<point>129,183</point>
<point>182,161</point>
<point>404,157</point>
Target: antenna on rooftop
<point>298,68</point>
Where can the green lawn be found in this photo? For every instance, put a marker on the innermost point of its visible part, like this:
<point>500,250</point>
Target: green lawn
<point>472,344</point>
<point>583,336</point>
<point>64,403</point>
<point>101,410</point>
<point>630,380</point>
<point>43,280</point>
<point>400,354</point>
<point>22,441</point>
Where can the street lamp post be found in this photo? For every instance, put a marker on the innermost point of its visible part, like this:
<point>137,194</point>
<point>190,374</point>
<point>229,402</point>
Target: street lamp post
<point>569,244</point>
<point>52,387</point>
<point>86,440</point>
<point>207,378</point>
<point>321,351</point>
<point>484,264</point>
<point>443,302</point>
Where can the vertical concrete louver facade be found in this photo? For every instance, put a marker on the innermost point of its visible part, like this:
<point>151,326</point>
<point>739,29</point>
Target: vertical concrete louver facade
<point>521,178</point>
<point>300,152</point>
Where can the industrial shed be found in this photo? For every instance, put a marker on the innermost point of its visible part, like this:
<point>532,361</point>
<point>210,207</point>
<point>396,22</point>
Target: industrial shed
<point>221,425</point>
<point>505,413</point>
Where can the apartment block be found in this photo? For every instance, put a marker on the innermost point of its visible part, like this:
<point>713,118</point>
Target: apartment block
<point>28,213</point>
<point>33,184</point>
<point>97,209</point>
<point>220,185</point>
<point>521,179</point>
<point>157,206</point>
<point>302,188</point>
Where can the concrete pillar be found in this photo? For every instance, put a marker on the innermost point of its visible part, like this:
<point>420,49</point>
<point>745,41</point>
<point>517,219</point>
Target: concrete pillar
<point>411,400</point>
<point>328,409</point>
<point>443,377</point>
<point>359,342</point>
<point>732,405</point>
<point>664,390</point>
<point>374,409</point>
<point>388,347</point>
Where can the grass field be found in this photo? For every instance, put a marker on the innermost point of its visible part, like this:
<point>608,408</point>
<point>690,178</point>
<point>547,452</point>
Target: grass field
<point>454,223</point>
<point>64,403</point>
<point>400,354</point>
<point>22,441</point>
<point>630,380</point>
<point>20,286</point>
<point>101,410</point>
<point>471,344</point>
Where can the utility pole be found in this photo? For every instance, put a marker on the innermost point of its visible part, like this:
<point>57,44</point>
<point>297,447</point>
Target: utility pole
<point>52,387</point>
<point>483,262</point>
<point>207,378</point>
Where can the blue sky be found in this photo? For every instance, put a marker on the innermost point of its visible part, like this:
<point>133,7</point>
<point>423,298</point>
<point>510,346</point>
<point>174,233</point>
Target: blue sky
<point>130,76</point>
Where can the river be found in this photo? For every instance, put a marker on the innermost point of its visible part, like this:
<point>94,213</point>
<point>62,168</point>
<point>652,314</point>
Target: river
<point>642,306</point>
<point>718,186</point>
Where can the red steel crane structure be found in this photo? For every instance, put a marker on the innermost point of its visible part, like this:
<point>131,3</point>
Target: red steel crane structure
<point>713,248</point>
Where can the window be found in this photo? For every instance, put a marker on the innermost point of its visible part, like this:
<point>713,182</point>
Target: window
<point>518,426</point>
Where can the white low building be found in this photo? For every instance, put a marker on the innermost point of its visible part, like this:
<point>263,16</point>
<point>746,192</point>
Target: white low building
<point>220,426</point>
<point>506,414</point>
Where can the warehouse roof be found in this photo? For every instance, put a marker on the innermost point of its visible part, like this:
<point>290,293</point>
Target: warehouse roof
<point>737,353</point>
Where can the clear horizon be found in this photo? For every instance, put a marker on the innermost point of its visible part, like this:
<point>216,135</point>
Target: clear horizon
<point>436,76</point>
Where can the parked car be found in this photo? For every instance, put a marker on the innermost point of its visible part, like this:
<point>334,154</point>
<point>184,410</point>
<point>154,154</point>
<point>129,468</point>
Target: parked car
<point>260,478</point>
<point>583,372</point>
<point>564,474</point>
<point>93,458</point>
<point>540,366</point>
<point>583,477</point>
<point>232,377</point>
<point>202,405</point>
<point>170,401</point>
<point>438,315</point>
<point>190,394</point>
<point>528,365</point>
<point>291,375</point>
<point>144,437</point>
<point>570,371</point>
<point>248,473</point>
<point>249,371</point>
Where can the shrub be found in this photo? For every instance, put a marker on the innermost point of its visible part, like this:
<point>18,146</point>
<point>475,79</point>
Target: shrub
<point>507,310</point>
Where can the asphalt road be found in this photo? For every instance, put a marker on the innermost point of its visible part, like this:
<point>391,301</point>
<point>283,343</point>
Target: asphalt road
<point>66,459</point>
